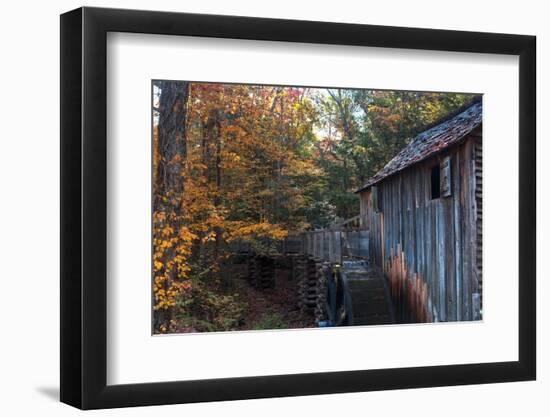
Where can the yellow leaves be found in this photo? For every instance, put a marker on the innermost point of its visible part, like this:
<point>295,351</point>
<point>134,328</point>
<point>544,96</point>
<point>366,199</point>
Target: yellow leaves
<point>262,230</point>
<point>171,249</point>
<point>167,231</point>
<point>157,265</point>
<point>230,158</point>
<point>209,237</point>
<point>186,235</point>
<point>166,291</point>
<point>159,217</point>
<point>162,244</point>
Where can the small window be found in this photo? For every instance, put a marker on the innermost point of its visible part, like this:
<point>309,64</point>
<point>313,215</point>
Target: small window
<point>376,199</point>
<point>435,181</point>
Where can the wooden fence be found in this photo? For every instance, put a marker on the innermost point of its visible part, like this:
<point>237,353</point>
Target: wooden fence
<point>327,245</point>
<point>330,245</point>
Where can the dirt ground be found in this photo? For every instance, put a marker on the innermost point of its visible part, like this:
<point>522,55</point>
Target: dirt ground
<point>273,308</point>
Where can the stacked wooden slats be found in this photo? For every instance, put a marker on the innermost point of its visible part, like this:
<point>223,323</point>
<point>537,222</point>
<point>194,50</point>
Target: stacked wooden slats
<point>292,259</point>
<point>306,274</point>
<point>261,272</point>
<point>478,158</point>
<point>323,274</point>
<point>266,273</point>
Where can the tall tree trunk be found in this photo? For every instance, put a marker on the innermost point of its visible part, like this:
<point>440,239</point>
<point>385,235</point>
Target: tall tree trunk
<point>172,139</point>
<point>172,154</point>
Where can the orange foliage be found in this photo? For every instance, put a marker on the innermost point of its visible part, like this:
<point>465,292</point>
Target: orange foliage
<point>241,152</point>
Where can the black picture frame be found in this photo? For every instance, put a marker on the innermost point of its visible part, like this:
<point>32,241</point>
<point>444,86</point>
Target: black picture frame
<point>84,207</point>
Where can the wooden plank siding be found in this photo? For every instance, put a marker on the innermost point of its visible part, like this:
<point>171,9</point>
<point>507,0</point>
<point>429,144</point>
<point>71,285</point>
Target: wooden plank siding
<point>430,249</point>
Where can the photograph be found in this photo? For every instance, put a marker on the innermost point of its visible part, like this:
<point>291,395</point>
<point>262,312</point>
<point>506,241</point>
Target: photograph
<point>292,207</point>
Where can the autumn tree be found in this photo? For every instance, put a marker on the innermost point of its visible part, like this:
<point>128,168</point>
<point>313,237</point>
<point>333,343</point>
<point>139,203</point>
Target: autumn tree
<point>170,236</point>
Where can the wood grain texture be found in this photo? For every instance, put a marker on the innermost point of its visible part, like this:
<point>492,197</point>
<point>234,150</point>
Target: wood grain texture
<point>433,251</point>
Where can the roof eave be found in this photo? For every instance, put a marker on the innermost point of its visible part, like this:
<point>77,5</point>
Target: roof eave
<point>431,155</point>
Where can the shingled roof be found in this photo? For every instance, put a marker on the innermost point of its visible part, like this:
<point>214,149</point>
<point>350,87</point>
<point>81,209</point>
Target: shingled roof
<point>431,141</point>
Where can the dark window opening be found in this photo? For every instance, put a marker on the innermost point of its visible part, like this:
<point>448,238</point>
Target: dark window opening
<point>376,198</point>
<point>436,182</point>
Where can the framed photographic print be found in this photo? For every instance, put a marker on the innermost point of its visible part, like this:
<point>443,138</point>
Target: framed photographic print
<point>282,208</point>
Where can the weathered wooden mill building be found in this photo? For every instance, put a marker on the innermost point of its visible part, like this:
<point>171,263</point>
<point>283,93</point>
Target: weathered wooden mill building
<point>423,211</point>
